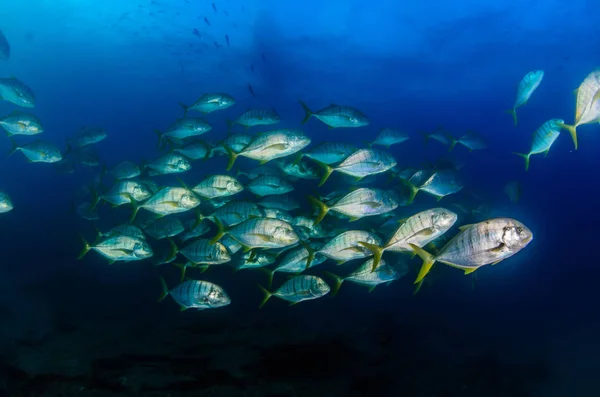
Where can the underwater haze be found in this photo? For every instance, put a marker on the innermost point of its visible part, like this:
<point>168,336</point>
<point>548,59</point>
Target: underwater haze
<point>417,98</point>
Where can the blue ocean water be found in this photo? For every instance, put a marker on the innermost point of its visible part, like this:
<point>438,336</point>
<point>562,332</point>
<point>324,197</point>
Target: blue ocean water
<point>525,327</point>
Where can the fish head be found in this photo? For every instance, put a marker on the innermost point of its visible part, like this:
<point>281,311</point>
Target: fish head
<point>357,119</point>
<point>443,219</point>
<point>218,253</point>
<point>141,193</point>
<point>285,235</point>
<point>226,101</point>
<point>183,164</point>
<point>217,297</point>
<point>516,235</point>
<point>189,200</point>
<point>142,249</point>
<point>5,203</point>
<point>298,140</point>
<point>233,186</point>
<point>319,287</point>
<point>24,99</point>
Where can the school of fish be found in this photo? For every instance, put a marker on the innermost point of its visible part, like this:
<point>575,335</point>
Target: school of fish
<point>364,231</point>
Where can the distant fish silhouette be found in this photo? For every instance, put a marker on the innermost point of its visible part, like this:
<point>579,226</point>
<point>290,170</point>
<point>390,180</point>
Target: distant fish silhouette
<point>226,14</point>
<point>252,91</point>
<point>227,39</point>
<point>217,45</point>
<point>207,21</point>
<point>195,32</point>
<point>264,58</point>
<point>252,67</point>
<point>214,7</point>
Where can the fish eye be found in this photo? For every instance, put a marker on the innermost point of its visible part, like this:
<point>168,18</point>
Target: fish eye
<point>519,230</point>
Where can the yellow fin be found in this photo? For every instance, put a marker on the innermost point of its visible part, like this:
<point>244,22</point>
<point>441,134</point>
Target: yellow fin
<point>428,261</point>
<point>464,227</point>
<point>469,271</point>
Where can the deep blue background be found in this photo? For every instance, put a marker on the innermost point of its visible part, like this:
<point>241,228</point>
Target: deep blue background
<point>125,65</point>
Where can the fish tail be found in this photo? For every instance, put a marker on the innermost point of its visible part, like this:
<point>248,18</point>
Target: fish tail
<point>572,130</point>
<point>185,108</point>
<point>14,147</point>
<point>165,290</point>
<point>270,273</point>
<point>298,158</point>
<point>172,250</point>
<point>526,157</point>
<point>513,112</point>
<point>417,287</point>
<point>229,125</point>
<point>307,112</point>
<point>232,156</point>
<point>428,261</point>
<point>86,248</point>
<point>311,254</point>
<point>95,199</point>
<point>337,282</point>
<point>220,230</point>
<point>453,143</point>
<point>323,209</point>
<point>377,253</point>
<point>327,170</point>
<point>413,190</point>
<point>160,144</point>
<point>266,297</point>
<point>136,208</point>
<point>199,218</point>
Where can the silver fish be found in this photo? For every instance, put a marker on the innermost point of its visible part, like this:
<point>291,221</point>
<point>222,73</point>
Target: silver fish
<point>218,186</point>
<point>336,116</point>
<point>388,137</point>
<point>16,92</point>
<point>362,163</point>
<point>89,135</point>
<point>169,164</point>
<point>331,153</point>
<point>39,152</point>
<point>272,145</point>
<point>169,200</point>
<point>261,233</point>
<point>254,117</point>
<point>543,138</point>
<point>204,252</point>
<point>210,102</point>
<point>266,185</point>
<point>196,294</point>
<point>528,84</point>
<point>359,203</point>
<point>120,248</point>
<point>20,123</point>
<point>419,229</point>
<point>346,247</point>
<point>477,245</point>
<point>298,289</point>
